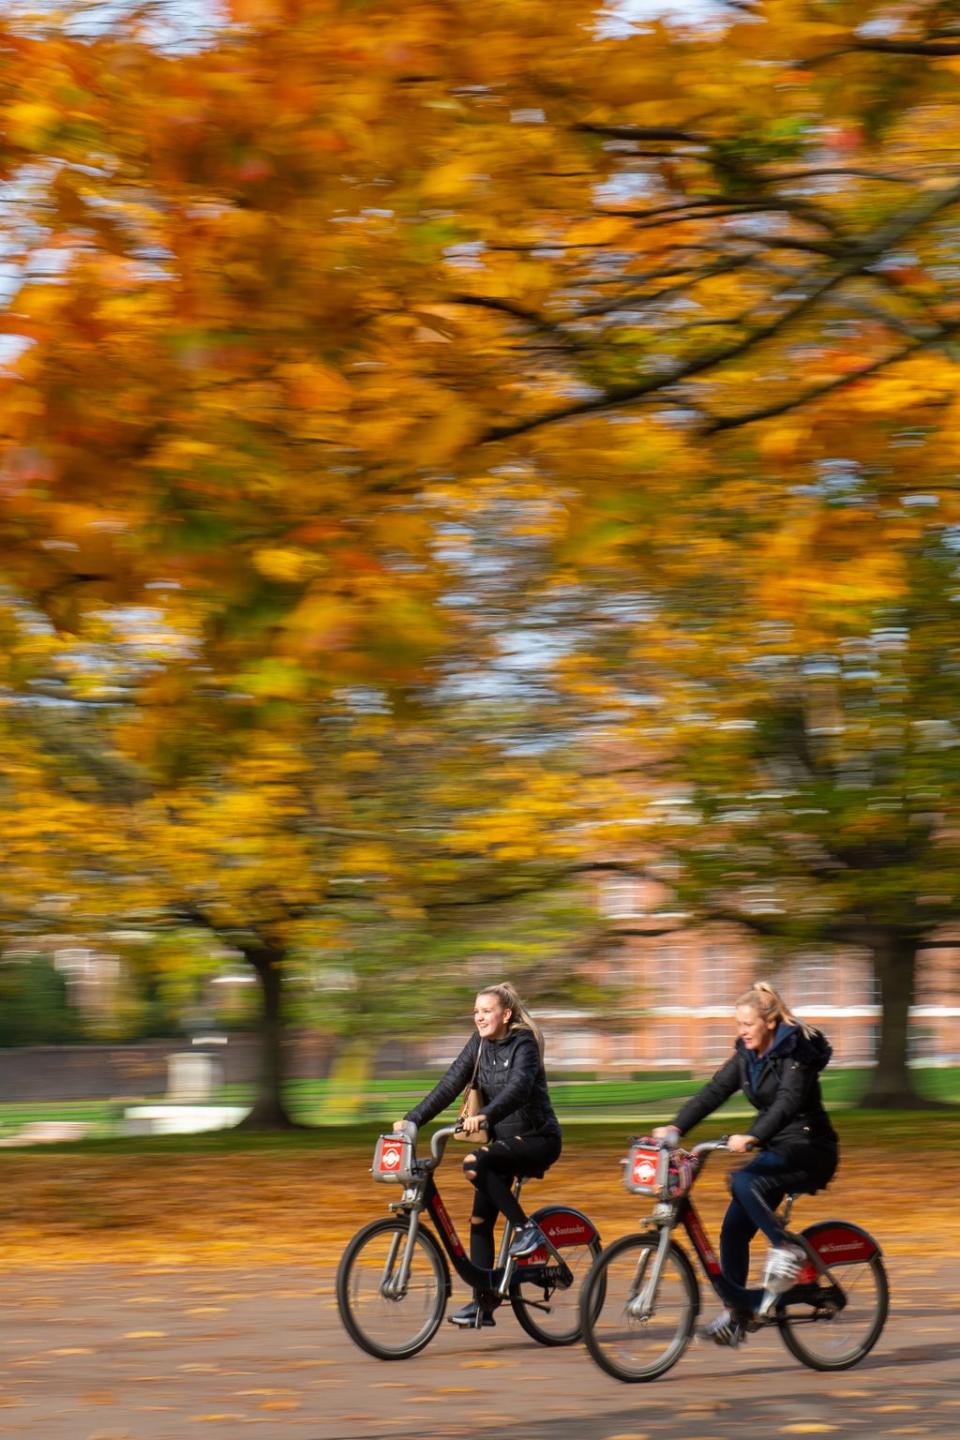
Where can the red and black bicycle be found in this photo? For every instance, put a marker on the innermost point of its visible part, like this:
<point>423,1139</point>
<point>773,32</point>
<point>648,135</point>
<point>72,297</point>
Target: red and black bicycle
<point>640,1302</point>
<point>393,1282</point>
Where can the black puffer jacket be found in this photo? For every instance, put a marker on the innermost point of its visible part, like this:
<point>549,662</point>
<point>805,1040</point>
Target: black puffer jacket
<point>511,1080</point>
<point>785,1088</point>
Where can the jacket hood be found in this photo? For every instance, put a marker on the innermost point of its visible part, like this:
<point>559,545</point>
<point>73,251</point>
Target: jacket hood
<point>811,1048</point>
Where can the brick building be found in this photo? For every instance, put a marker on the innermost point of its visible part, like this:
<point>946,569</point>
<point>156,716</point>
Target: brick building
<point>677,991</point>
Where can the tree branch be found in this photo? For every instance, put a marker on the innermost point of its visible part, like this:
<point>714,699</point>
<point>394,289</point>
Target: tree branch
<point>643,132</point>
<point>720,205</point>
<point>843,170</point>
<point>626,302</point>
<point>519,312</point>
<point>759,924</point>
<point>790,242</point>
<point>816,392</point>
<point>854,258</point>
<point>625,394</point>
<point>932,48</point>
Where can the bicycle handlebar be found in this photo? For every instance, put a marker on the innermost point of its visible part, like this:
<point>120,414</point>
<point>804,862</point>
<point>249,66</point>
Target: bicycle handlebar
<point>703,1148</point>
<point>706,1146</point>
<point>438,1141</point>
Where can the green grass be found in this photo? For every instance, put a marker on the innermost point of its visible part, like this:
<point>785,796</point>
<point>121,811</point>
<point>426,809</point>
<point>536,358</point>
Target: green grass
<point>901,1131</point>
<point>585,1107</point>
<point>648,1097</point>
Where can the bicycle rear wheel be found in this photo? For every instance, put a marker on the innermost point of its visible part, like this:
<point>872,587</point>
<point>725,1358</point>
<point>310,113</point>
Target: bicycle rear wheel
<point>384,1319</point>
<point>545,1307</point>
<point>816,1328</point>
<point>630,1343</point>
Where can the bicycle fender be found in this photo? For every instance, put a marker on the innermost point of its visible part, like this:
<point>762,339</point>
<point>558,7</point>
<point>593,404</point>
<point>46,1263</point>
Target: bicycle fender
<point>840,1242</point>
<point>564,1226</point>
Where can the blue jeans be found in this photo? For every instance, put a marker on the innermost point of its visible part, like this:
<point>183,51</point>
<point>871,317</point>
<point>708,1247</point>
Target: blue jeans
<point>757,1190</point>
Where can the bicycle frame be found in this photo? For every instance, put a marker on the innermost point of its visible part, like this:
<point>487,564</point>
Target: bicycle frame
<point>668,1214</point>
<point>421,1195</point>
<point>640,1302</point>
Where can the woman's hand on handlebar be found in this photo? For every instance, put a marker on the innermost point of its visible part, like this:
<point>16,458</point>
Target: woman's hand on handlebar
<point>740,1144</point>
<point>472,1123</point>
<point>669,1133</point>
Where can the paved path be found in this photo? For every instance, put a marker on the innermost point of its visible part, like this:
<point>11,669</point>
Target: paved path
<point>148,1354</point>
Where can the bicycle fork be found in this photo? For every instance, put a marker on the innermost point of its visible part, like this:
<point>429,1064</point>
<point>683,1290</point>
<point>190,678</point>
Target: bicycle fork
<point>640,1305</point>
<point>393,1283</point>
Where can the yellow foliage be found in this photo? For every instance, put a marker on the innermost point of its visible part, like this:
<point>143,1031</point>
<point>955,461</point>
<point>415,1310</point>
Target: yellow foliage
<point>781,442</point>
<point>28,122</point>
<point>283,565</point>
<point>275,679</point>
<point>320,622</point>
<point>445,435</point>
<point>449,181</point>
<point>312,386</point>
<point>600,231</point>
<point>361,762</point>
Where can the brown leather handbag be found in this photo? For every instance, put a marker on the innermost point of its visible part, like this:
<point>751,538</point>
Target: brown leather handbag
<point>472,1105</point>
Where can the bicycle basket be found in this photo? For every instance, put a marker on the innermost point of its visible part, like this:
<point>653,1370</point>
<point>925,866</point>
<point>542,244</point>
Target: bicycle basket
<point>651,1169</point>
<point>393,1159</point>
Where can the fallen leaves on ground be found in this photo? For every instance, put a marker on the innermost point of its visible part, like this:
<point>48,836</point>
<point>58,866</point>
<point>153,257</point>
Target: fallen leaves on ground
<point>295,1207</point>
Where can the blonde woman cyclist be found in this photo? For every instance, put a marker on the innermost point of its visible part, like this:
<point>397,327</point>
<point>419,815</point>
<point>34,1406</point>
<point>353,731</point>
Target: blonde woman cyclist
<point>524,1132</point>
<point>776,1064</point>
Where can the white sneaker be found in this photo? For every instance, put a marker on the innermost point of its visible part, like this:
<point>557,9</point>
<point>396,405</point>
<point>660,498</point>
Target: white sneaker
<point>782,1270</point>
<point>724,1329</point>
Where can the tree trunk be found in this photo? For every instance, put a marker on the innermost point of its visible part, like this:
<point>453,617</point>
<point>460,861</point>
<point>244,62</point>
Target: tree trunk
<point>269,1111</point>
<point>895,966</point>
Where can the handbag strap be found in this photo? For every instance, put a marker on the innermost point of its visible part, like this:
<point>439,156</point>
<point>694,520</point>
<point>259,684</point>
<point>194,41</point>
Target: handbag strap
<point>476,1067</point>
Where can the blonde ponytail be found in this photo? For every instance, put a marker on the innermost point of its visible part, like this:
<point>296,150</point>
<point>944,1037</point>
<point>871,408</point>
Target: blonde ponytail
<point>771,1006</point>
<point>520,1017</point>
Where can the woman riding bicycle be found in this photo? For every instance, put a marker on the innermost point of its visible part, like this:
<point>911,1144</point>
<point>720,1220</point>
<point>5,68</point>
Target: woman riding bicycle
<point>505,1054</point>
<point>776,1064</point>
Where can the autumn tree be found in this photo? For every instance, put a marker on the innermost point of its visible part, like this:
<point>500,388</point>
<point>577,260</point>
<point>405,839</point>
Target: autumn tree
<point>353,855</point>
<point>291,296</point>
<point>216,370</point>
<point>744,416</point>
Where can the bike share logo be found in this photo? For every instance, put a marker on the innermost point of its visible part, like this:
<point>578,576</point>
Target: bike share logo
<point>390,1158</point>
<point>644,1170</point>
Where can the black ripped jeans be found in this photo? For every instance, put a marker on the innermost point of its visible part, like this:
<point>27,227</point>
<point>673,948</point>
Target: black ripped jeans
<point>494,1169</point>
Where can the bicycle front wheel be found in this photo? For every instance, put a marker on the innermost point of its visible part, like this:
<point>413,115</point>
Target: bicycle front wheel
<point>817,1328</point>
<point>546,1306</point>
<point>384,1314</point>
<point>631,1335</point>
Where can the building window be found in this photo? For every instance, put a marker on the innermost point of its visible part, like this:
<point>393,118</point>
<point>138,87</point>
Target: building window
<point>857,1045</point>
<point>811,982</point>
<point>624,1049</point>
<point>716,1041</point>
<point>922,1043</point>
<point>720,982</point>
<point>620,969</point>
<point>672,1045</point>
<point>669,976</point>
<point>620,897</point>
<point>938,973</point>
<point>573,1049</point>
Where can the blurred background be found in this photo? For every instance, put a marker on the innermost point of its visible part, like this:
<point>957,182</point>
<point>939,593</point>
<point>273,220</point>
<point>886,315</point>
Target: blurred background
<point>479,499</point>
